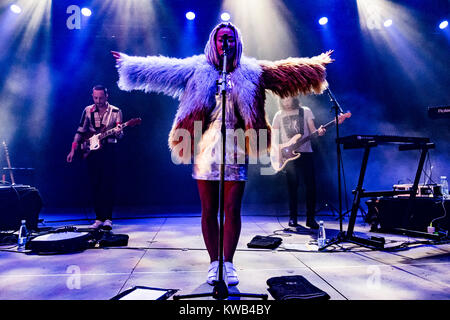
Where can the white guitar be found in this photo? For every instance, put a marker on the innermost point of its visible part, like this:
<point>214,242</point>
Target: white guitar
<point>281,154</point>
<point>92,141</point>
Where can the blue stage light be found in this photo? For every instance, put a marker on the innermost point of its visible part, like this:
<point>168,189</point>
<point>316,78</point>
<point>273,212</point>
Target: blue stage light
<point>86,12</point>
<point>225,16</point>
<point>387,23</point>
<point>190,15</point>
<point>443,24</point>
<point>15,8</point>
<point>323,21</point>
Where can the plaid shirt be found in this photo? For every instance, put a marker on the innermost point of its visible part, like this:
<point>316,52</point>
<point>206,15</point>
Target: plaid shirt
<point>92,122</point>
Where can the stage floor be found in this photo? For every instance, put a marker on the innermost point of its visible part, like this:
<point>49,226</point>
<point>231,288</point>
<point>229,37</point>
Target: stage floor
<point>167,251</point>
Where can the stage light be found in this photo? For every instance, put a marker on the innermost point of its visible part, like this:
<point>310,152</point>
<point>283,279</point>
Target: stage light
<point>323,21</point>
<point>15,8</point>
<point>443,24</point>
<point>225,16</point>
<point>387,23</point>
<point>190,15</point>
<point>86,12</point>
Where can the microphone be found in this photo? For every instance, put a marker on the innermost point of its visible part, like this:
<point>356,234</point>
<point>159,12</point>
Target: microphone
<point>333,99</point>
<point>225,46</point>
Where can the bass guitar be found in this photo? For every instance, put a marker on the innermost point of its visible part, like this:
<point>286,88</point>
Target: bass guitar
<point>92,141</point>
<point>281,154</point>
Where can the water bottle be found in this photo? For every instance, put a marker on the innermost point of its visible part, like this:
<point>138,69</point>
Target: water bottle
<point>23,235</point>
<point>444,187</point>
<point>321,237</point>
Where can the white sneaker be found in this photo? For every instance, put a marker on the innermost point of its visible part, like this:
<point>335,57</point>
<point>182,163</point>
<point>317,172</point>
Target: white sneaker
<point>232,277</point>
<point>107,225</point>
<point>97,224</point>
<point>213,272</point>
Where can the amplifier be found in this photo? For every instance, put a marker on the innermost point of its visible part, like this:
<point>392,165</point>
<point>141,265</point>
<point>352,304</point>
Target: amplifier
<point>390,213</point>
<point>424,190</point>
<point>19,202</point>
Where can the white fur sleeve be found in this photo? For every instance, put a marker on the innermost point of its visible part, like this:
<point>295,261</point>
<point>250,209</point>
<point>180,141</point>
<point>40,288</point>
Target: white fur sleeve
<point>155,73</point>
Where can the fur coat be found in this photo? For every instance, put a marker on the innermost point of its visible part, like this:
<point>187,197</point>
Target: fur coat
<point>193,81</point>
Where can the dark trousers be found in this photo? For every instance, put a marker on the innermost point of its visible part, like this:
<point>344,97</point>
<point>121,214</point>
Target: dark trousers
<point>101,168</point>
<point>301,169</point>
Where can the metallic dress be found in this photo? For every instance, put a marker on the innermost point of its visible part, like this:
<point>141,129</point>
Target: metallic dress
<point>209,154</point>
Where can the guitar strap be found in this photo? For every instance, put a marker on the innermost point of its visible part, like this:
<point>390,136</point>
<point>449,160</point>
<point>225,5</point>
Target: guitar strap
<point>301,120</point>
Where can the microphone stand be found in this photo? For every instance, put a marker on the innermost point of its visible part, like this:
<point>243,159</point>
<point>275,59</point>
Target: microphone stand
<point>220,290</point>
<point>337,109</point>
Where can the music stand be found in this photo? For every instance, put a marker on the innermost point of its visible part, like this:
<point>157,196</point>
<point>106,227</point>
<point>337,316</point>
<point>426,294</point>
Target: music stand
<point>220,290</point>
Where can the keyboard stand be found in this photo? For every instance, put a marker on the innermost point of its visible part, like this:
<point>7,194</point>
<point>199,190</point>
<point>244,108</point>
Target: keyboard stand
<point>359,192</point>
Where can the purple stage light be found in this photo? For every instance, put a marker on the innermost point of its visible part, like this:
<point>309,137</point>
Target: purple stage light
<point>86,12</point>
<point>15,8</point>
<point>190,15</point>
<point>323,21</point>
<point>225,16</point>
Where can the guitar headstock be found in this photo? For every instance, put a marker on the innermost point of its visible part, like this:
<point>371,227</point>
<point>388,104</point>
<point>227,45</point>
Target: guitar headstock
<point>134,122</point>
<point>344,116</point>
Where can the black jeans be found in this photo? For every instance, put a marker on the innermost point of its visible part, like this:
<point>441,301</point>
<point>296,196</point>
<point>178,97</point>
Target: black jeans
<point>101,168</point>
<point>301,169</point>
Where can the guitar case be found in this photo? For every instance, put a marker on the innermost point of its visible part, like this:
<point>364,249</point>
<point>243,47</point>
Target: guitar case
<point>71,240</point>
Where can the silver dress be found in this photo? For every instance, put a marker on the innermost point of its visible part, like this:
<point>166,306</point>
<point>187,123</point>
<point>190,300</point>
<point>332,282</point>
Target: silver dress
<point>208,156</point>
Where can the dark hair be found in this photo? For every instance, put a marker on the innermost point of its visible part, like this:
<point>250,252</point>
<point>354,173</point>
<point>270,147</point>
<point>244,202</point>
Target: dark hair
<point>100,87</point>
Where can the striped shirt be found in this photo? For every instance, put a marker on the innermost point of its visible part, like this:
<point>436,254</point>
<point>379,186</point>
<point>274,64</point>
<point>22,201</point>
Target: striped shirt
<point>92,122</point>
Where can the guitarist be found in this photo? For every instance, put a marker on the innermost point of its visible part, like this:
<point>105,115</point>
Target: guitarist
<point>96,118</point>
<point>290,120</point>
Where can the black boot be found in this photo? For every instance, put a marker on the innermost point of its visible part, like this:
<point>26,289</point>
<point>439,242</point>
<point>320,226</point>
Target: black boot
<point>311,223</point>
<point>293,222</point>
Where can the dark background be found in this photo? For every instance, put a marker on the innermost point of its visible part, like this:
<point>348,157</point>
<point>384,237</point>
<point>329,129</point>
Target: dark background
<point>387,78</point>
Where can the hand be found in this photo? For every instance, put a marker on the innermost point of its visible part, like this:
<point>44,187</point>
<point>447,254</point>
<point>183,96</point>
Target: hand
<point>118,131</point>
<point>116,55</point>
<point>70,156</point>
<point>321,131</point>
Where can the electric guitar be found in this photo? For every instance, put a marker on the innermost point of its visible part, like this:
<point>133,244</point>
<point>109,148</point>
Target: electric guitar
<point>8,161</point>
<point>281,154</point>
<point>92,141</point>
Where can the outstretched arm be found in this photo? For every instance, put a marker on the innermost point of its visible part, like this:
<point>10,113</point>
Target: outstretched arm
<point>154,73</point>
<point>293,76</point>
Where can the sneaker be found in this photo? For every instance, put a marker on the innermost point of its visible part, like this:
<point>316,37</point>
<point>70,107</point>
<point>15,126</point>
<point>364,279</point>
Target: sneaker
<point>213,272</point>
<point>97,224</point>
<point>107,225</point>
<point>311,223</point>
<point>232,277</point>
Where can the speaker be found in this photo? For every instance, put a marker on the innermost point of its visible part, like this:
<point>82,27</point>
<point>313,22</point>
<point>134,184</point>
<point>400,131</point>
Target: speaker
<point>19,202</point>
<point>391,213</point>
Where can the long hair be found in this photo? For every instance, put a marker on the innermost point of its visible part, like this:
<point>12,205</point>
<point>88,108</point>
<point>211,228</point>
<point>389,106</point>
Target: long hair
<point>296,102</point>
<point>211,50</point>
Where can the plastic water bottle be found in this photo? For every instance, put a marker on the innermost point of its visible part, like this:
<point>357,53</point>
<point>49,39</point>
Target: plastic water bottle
<point>23,235</point>
<point>444,187</point>
<point>321,237</point>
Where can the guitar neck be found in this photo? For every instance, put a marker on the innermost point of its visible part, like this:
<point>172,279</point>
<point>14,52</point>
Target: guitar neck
<point>313,134</point>
<point>110,131</point>
<point>8,161</point>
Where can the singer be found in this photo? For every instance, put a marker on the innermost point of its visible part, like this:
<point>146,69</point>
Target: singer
<point>193,81</point>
